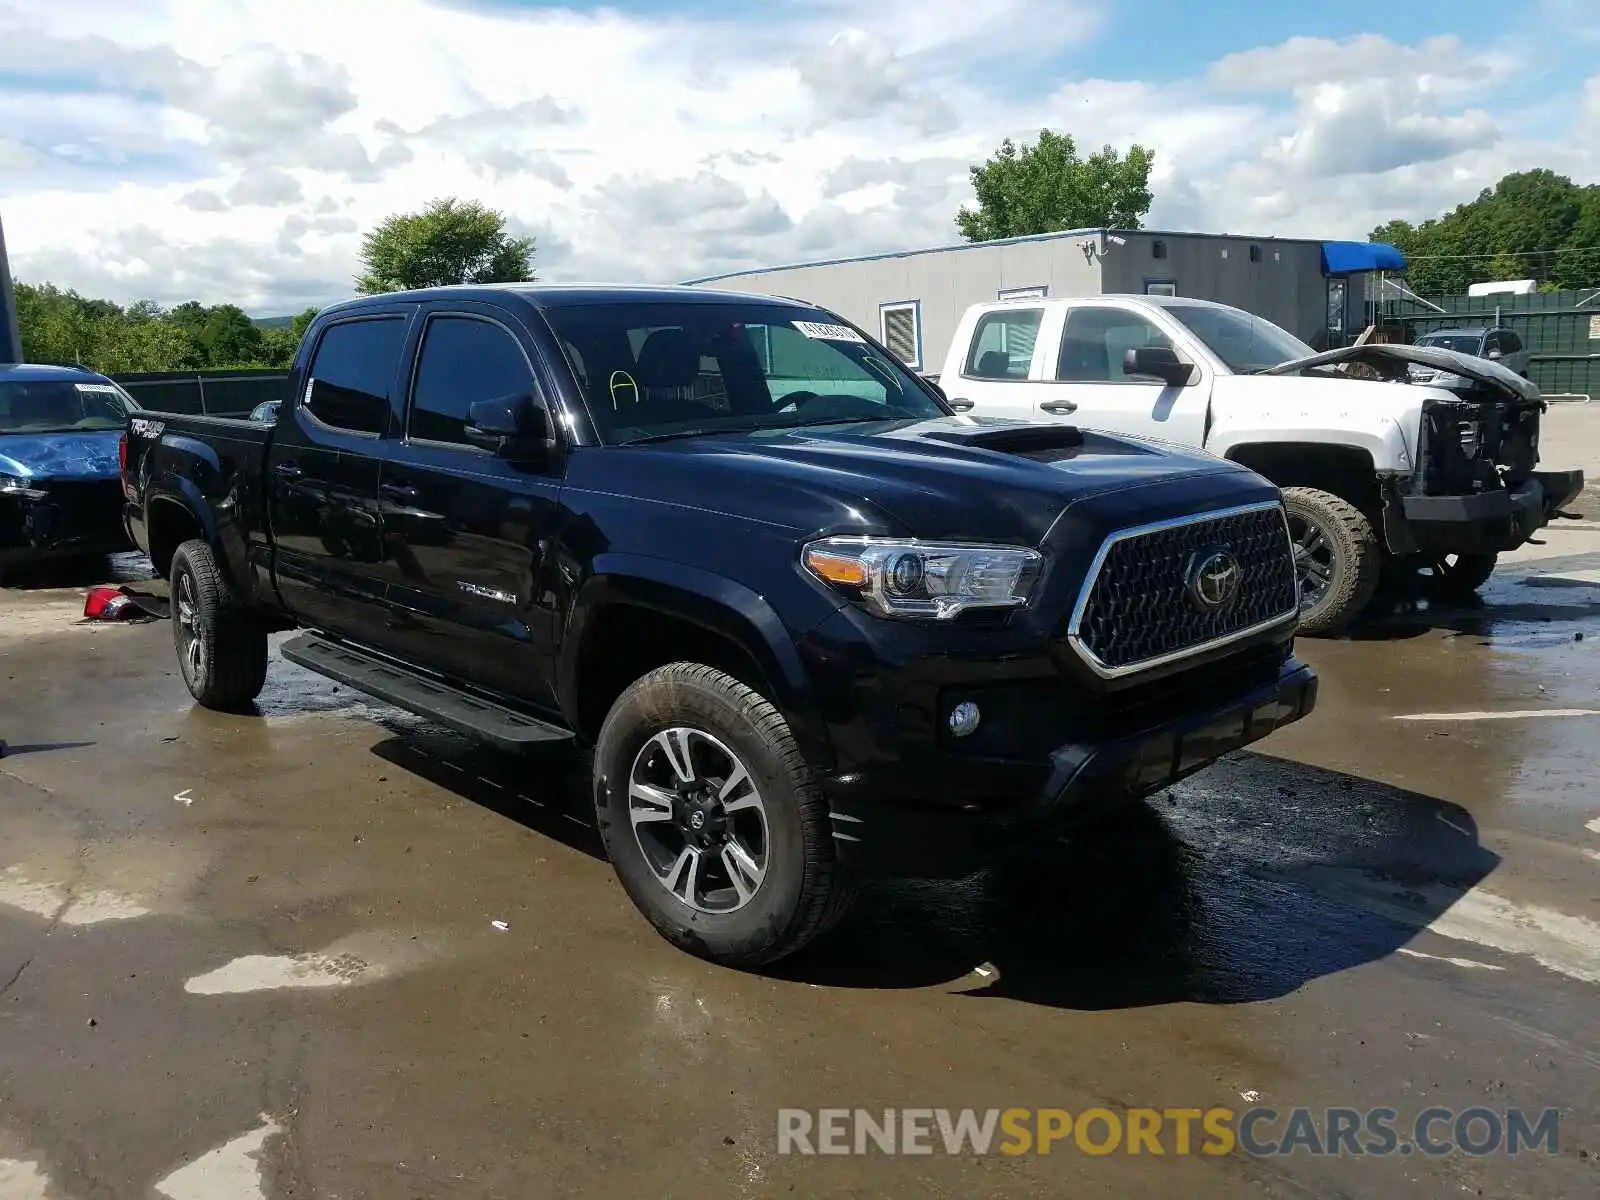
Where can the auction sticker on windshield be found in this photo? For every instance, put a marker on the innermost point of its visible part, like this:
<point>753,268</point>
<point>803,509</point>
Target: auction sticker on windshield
<point>101,388</point>
<point>828,333</point>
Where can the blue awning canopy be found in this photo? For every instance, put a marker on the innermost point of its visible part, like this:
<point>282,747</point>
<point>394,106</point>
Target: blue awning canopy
<point>1350,258</point>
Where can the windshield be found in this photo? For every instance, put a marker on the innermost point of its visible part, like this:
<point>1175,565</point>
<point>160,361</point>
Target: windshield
<point>61,406</point>
<point>1461,343</point>
<point>656,369</point>
<point>1245,344</point>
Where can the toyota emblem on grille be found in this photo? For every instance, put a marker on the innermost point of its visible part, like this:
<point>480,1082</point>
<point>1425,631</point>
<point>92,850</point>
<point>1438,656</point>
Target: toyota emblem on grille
<point>1214,578</point>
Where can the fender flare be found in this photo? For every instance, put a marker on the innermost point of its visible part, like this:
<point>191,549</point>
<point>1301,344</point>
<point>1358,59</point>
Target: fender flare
<point>715,603</point>
<point>217,529</point>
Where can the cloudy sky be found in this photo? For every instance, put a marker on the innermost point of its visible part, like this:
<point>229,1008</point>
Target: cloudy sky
<point>233,150</point>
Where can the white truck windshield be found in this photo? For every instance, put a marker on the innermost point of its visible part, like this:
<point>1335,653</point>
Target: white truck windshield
<point>1245,344</point>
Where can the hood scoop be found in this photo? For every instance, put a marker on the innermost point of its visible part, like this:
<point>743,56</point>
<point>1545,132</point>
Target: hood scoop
<point>1018,438</point>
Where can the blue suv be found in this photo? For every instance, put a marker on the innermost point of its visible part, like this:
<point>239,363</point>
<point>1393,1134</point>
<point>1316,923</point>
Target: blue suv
<point>60,476</point>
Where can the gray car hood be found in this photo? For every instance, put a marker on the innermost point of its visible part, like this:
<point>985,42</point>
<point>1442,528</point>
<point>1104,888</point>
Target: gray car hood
<point>1389,360</point>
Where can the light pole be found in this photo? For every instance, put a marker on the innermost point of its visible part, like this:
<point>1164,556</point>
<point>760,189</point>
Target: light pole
<point>10,335</point>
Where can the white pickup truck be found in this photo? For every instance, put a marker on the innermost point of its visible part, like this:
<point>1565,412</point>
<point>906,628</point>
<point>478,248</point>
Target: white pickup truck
<point>1378,472</point>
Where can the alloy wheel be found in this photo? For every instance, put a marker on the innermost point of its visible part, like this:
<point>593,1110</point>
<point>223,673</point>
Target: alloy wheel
<point>1314,564</point>
<point>699,820</point>
<point>191,646</point>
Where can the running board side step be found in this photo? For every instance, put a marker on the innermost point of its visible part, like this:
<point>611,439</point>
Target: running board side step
<point>467,714</point>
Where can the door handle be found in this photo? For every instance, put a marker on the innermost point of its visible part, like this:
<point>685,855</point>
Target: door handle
<point>398,491</point>
<point>288,470</point>
<point>961,405</point>
<point>1059,407</point>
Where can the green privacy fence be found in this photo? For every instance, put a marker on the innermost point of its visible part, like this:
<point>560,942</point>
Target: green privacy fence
<point>204,393</point>
<point>1560,329</point>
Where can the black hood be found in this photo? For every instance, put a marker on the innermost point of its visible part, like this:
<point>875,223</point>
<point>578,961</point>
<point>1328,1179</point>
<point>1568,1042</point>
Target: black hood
<point>957,477</point>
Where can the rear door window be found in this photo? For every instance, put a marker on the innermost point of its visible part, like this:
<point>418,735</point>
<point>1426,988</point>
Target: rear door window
<point>1002,344</point>
<point>353,372</point>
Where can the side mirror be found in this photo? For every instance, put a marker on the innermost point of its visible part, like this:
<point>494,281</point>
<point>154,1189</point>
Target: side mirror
<point>1162,362</point>
<point>1494,354</point>
<point>516,428</point>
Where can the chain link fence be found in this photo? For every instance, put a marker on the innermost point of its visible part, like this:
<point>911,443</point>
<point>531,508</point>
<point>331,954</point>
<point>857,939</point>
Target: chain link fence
<point>204,393</point>
<point>1560,329</point>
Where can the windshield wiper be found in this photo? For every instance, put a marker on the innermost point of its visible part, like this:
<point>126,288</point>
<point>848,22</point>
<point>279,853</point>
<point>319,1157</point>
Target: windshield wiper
<point>835,421</point>
<point>749,427</point>
<point>673,434</point>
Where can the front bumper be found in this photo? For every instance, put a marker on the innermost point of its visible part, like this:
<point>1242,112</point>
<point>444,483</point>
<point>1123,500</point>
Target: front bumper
<point>947,814</point>
<point>68,519</point>
<point>1488,522</point>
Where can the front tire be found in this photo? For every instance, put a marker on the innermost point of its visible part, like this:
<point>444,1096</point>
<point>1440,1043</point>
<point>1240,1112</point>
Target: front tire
<point>1337,559</point>
<point>222,650</point>
<point>711,818</point>
<point>1457,576</point>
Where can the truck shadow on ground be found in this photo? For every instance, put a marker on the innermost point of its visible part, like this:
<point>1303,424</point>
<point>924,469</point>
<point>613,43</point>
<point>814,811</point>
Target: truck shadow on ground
<point>557,807</point>
<point>80,571</point>
<point>1244,883</point>
<point>1509,604</point>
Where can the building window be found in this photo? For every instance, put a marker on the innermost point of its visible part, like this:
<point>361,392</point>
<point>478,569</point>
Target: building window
<point>1255,253</point>
<point>1336,291</point>
<point>1024,293</point>
<point>1158,249</point>
<point>900,330</point>
<point>1160,287</point>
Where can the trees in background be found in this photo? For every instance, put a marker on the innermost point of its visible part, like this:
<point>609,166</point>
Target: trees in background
<point>448,242</point>
<point>64,327</point>
<point>1048,187</point>
<point>1531,225</point>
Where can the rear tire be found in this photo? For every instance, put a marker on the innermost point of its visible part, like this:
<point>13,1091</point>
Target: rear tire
<point>1338,559</point>
<point>222,649</point>
<point>676,744</point>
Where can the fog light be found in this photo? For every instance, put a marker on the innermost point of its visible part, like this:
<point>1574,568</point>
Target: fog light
<point>964,718</point>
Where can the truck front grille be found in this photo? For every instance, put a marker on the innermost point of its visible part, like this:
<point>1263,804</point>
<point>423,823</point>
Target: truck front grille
<point>1145,602</point>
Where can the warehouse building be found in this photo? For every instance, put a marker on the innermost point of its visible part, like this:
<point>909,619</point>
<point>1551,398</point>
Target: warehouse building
<point>913,299</point>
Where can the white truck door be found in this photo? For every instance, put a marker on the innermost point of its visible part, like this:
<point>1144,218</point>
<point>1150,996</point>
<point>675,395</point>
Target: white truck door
<point>996,363</point>
<point>1085,381</point>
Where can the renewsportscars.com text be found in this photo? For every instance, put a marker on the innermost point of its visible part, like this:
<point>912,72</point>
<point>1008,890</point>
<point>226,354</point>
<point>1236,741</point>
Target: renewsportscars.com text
<point>1260,1131</point>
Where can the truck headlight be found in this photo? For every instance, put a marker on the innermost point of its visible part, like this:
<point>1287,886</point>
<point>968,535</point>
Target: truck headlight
<point>11,485</point>
<point>908,578</point>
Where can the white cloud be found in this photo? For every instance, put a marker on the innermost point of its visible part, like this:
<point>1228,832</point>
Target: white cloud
<point>1438,66</point>
<point>236,151</point>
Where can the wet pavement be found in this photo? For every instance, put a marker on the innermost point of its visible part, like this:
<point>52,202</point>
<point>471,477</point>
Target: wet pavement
<point>331,951</point>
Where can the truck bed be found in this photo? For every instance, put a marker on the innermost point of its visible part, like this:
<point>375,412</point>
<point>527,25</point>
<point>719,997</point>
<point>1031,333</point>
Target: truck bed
<point>221,461</point>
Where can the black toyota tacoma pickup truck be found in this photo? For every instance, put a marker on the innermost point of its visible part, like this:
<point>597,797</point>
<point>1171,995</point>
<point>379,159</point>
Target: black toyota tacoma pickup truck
<point>812,623</point>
